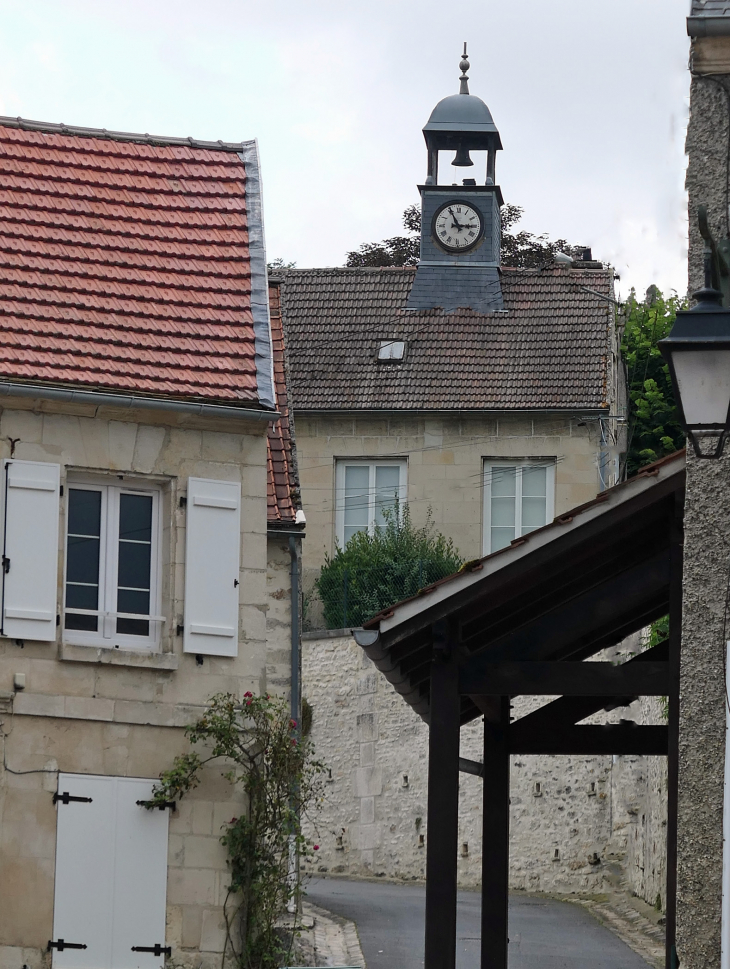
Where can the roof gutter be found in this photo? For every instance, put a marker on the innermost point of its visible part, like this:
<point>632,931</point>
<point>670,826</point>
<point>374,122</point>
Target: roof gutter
<point>9,389</point>
<point>708,26</point>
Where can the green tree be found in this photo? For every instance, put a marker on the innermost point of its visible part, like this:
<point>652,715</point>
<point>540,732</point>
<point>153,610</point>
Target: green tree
<point>397,251</point>
<point>376,570</point>
<point>522,250</point>
<point>654,429</point>
<point>279,263</point>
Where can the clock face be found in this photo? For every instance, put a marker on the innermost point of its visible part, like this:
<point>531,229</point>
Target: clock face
<point>457,226</point>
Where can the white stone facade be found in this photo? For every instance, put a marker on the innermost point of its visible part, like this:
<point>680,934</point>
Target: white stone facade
<point>574,821</point>
<point>119,713</point>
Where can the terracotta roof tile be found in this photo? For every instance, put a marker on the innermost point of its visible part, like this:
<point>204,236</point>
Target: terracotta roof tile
<point>283,499</point>
<point>549,349</point>
<point>124,264</point>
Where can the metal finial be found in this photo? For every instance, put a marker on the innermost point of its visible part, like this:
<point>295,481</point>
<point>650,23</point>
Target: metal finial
<point>464,67</point>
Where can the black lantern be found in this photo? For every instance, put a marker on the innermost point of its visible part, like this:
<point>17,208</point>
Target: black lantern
<point>698,353</point>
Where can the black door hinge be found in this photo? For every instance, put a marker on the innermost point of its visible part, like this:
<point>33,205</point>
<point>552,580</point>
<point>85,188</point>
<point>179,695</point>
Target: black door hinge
<point>65,798</point>
<point>61,944</point>
<point>6,564</point>
<point>158,804</point>
<point>156,949</point>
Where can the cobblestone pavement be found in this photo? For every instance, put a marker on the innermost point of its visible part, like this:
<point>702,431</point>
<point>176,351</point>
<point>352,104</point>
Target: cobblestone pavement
<point>328,939</point>
<point>545,932</point>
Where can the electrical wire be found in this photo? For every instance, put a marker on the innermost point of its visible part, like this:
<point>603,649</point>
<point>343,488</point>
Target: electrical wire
<point>549,430</point>
<point>41,770</point>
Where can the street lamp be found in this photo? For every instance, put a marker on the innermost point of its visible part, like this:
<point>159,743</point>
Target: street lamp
<point>698,353</point>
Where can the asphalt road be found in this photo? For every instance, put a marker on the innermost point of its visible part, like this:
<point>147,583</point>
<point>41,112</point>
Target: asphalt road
<point>544,934</point>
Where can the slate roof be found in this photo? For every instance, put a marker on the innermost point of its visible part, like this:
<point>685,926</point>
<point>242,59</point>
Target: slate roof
<point>126,264</point>
<point>710,8</point>
<point>283,497</point>
<point>548,349</point>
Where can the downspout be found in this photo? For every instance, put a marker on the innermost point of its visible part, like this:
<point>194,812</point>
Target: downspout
<point>294,689</point>
<point>725,923</point>
<point>294,685</point>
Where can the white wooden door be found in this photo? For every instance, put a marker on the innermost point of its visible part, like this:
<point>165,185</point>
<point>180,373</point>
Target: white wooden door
<point>111,874</point>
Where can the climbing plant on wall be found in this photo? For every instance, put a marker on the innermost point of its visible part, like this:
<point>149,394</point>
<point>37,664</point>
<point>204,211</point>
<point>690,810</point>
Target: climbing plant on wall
<point>262,752</point>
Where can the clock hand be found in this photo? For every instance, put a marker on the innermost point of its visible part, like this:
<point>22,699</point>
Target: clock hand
<point>457,224</point>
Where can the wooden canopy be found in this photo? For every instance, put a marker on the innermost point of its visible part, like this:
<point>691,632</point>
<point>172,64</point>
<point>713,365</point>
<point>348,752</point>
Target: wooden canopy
<point>522,622</point>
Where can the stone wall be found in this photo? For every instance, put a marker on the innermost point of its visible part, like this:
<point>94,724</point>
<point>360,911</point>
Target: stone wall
<point>121,713</point>
<point>573,819</point>
<point>705,582</point>
<point>445,455</point>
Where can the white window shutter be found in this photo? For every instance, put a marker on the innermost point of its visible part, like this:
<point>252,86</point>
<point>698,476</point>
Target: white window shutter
<point>84,891</point>
<point>140,877</point>
<point>111,874</point>
<point>212,563</point>
<point>30,575</point>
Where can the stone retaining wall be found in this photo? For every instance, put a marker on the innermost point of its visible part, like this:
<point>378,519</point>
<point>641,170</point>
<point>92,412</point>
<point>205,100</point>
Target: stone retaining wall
<point>573,819</point>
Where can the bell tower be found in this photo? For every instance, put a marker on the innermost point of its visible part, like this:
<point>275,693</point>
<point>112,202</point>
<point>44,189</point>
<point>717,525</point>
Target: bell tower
<point>460,224</point>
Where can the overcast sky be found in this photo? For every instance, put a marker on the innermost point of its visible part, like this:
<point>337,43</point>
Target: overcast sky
<point>590,98</point>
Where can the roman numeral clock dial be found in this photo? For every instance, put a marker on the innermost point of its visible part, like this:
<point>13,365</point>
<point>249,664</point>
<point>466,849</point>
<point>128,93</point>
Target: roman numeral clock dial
<point>457,226</point>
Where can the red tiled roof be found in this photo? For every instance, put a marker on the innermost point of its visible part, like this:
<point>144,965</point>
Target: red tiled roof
<point>283,499</point>
<point>125,264</point>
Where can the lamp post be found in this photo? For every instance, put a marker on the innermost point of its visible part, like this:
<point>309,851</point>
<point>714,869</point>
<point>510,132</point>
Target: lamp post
<point>698,353</point>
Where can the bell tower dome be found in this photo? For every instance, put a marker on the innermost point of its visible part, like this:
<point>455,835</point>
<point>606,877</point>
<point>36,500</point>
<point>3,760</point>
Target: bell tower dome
<point>460,224</point>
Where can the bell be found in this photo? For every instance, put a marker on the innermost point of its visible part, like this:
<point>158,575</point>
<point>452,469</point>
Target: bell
<point>461,158</point>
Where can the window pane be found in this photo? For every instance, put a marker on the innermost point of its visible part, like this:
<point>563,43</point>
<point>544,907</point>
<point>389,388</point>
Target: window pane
<point>82,560</point>
<point>387,482</point>
<point>84,512</point>
<point>357,488</point>
<point>502,480</point>
<point>89,624</point>
<point>135,517</point>
<point>82,557</point>
<point>134,565</point>
<point>500,538</point>
<point>133,600</point>
<point>534,482</point>
<point>503,511</point>
<point>533,514</point>
<point>82,596</point>
<point>133,627</point>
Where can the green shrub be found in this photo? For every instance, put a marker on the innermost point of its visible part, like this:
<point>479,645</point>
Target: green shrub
<point>375,571</point>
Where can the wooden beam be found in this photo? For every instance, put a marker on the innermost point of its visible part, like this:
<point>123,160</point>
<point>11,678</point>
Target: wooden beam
<point>610,738</point>
<point>442,835</point>
<point>476,676</point>
<point>568,710</point>
<point>563,626</point>
<point>495,841</point>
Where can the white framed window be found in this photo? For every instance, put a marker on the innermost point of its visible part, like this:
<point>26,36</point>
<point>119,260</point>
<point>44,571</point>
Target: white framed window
<point>364,490</point>
<point>112,565</point>
<point>519,496</point>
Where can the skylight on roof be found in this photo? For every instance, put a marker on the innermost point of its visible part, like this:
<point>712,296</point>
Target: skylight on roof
<point>391,350</point>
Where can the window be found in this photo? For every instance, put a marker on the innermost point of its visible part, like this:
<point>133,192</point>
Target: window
<point>518,498</point>
<point>111,593</point>
<point>391,350</point>
<point>365,490</point>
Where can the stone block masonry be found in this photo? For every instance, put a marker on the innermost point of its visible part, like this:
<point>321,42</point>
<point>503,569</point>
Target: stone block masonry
<point>574,820</point>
